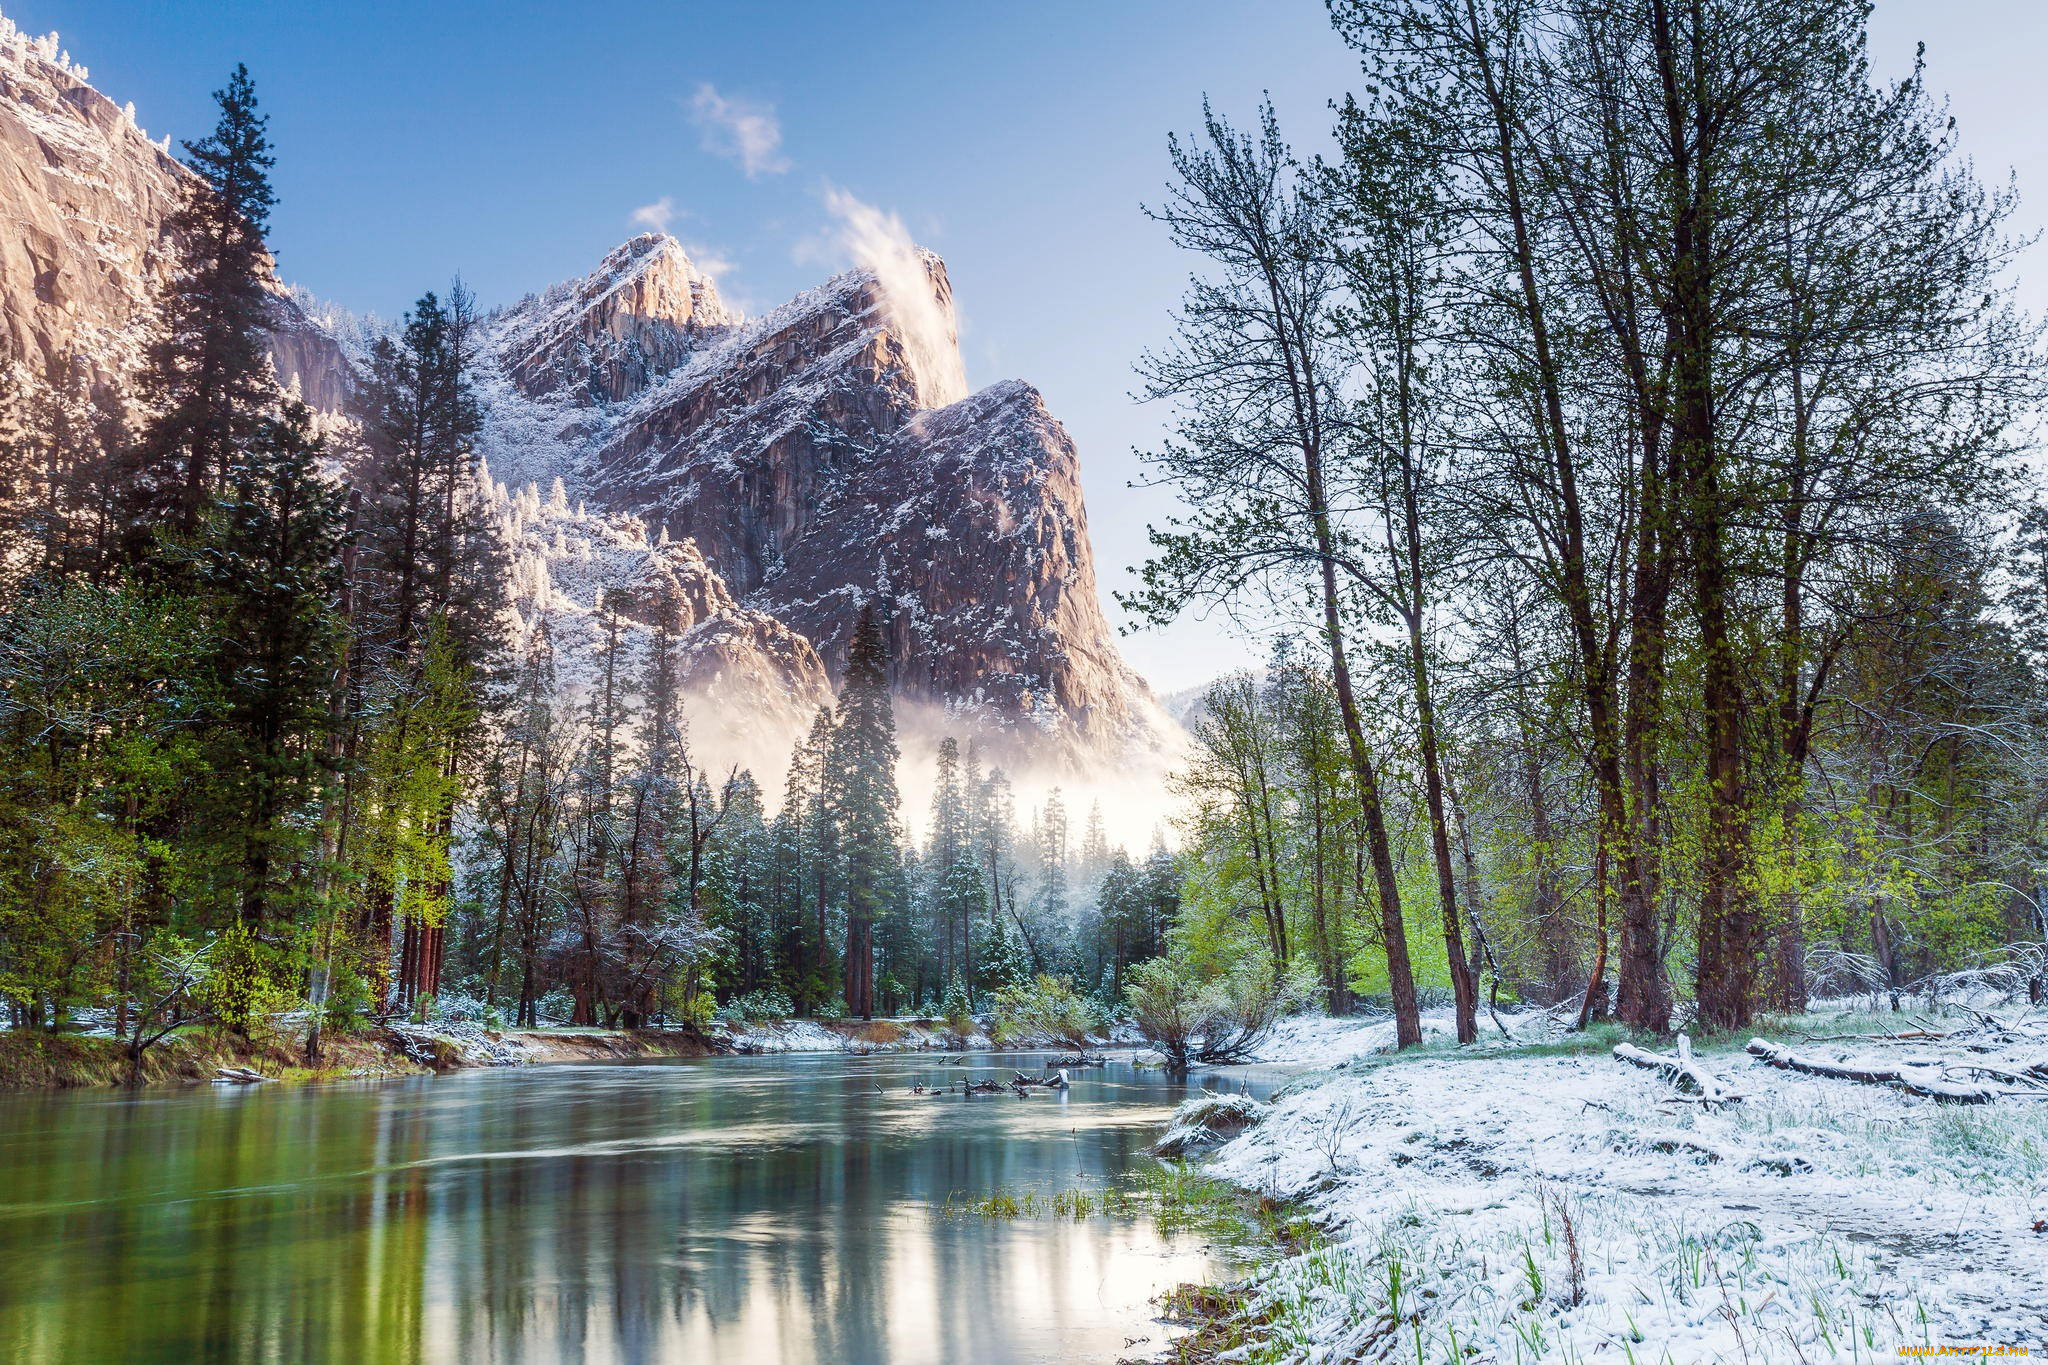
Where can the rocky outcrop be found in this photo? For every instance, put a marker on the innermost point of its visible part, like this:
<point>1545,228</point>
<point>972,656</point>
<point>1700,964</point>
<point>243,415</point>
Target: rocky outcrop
<point>607,336</point>
<point>967,526</point>
<point>741,449</point>
<point>748,679</point>
<point>309,361</point>
<point>84,195</point>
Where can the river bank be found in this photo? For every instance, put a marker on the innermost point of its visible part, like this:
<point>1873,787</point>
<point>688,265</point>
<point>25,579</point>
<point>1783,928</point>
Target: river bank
<point>36,1060</point>
<point>1533,1197</point>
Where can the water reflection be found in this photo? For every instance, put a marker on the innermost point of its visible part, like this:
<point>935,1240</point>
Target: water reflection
<point>747,1209</point>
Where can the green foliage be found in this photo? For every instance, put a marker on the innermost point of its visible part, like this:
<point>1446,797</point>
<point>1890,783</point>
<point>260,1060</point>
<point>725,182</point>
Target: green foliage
<point>1190,1011</point>
<point>409,790</point>
<point>956,1009</point>
<point>243,984</point>
<point>1045,1011</point>
<point>96,692</point>
<point>349,998</point>
<point>1171,1002</point>
<point>757,1007</point>
<point>685,1009</point>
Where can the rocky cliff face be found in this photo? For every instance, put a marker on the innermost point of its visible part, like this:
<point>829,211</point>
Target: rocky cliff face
<point>823,455</point>
<point>968,522</point>
<point>84,194</point>
<point>609,335</point>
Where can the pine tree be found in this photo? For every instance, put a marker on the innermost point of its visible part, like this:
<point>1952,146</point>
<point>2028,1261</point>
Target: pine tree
<point>1053,889</point>
<point>806,854</point>
<point>208,376</point>
<point>267,563</point>
<point>994,821</point>
<point>954,887</point>
<point>427,545</point>
<point>864,802</point>
<point>739,888</point>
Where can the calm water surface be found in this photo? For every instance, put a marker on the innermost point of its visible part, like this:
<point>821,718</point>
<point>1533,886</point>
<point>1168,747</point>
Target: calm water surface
<point>756,1210</point>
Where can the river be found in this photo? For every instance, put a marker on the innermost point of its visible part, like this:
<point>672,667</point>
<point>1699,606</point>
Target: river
<point>745,1209</point>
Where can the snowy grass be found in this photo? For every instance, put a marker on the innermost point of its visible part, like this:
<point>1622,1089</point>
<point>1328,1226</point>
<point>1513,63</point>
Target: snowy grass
<point>1543,1202</point>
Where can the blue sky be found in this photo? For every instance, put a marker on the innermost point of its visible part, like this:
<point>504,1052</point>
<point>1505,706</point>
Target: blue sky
<point>514,143</point>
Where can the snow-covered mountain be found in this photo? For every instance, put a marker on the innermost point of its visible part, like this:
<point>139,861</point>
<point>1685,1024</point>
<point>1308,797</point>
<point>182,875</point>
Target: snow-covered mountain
<point>754,481</point>
<point>826,453</point>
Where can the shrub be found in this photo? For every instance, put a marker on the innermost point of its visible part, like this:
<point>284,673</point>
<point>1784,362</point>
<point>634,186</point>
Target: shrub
<point>349,999</point>
<point>451,1008</point>
<point>1190,1016</point>
<point>239,988</point>
<point>1045,1012</point>
<point>1250,998</point>
<point>689,1009</point>
<point>756,1006</point>
<point>956,1009</point>
<point>1171,1005</point>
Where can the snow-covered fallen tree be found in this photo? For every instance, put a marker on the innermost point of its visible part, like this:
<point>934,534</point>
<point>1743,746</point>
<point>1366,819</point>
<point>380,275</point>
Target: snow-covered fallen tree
<point>1682,1071</point>
<point>1931,1080</point>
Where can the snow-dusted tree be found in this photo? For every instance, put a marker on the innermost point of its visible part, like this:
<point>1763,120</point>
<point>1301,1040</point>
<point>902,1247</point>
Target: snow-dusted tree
<point>862,788</point>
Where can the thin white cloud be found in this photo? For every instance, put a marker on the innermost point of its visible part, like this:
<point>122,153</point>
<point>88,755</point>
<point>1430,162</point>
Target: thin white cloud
<point>710,260</point>
<point>740,130</point>
<point>656,217</point>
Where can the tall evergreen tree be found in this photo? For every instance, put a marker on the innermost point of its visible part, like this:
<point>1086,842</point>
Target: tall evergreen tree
<point>864,805</point>
<point>955,889</point>
<point>268,565</point>
<point>208,376</point>
<point>431,568</point>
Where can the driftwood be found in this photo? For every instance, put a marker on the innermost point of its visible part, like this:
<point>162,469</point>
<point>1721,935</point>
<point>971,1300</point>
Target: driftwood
<point>1056,1081</point>
<point>1681,1071</point>
<point>238,1075</point>
<point>1930,1081</point>
<point>985,1086</point>
<point>1078,1061</point>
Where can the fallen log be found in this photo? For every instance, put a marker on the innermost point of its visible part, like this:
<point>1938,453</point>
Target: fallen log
<point>2033,1078</point>
<point>1056,1081</point>
<point>1681,1071</point>
<point>1078,1061</point>
<point>1924,1081</point>
<point>238,1075</point>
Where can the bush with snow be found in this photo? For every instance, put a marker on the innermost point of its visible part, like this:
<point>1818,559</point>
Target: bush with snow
<point>1045,1012</point>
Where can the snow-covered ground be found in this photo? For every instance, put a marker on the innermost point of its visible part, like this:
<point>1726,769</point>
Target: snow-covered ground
<point>1522,1205</point>
<point>808,1035</point>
